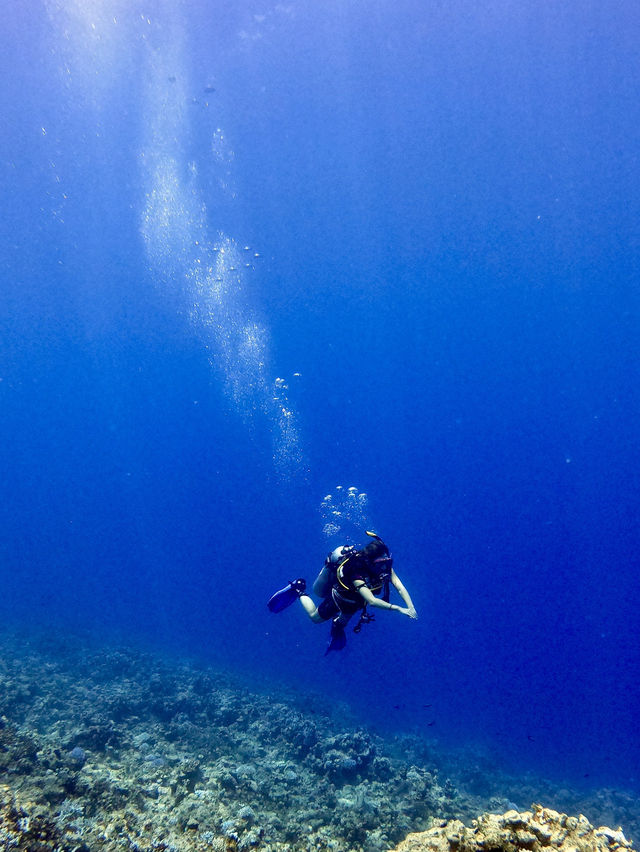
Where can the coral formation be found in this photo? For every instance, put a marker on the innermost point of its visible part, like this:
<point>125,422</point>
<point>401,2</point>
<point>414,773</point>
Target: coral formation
<point>538,830</point>
<point>30,829</point>
<point>118,750</point>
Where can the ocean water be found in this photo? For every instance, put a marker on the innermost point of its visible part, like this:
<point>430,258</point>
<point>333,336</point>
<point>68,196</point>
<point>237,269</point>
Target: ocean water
<point>256,254</point>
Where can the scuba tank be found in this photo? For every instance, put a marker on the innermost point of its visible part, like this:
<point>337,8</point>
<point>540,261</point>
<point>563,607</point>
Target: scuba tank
<point>327,577</point>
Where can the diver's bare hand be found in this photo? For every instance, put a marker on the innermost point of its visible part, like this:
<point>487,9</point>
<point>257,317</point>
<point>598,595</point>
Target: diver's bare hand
<point>409,611</point>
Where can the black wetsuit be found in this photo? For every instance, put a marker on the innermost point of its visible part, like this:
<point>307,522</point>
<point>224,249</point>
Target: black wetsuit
<point>344,597</point>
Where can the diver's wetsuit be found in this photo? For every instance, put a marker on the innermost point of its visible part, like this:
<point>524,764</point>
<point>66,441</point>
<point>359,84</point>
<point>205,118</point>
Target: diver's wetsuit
<point>344,597</point>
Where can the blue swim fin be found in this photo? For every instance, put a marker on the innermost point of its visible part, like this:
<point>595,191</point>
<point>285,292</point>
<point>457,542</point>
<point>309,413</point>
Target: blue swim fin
<point>338,638</point>
<point>285,597</point>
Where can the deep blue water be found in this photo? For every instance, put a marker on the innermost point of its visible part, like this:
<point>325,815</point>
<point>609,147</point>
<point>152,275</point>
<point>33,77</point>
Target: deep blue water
<point>429,211</point>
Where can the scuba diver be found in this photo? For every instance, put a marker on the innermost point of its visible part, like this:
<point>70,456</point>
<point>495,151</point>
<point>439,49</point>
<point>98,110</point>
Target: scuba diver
<point>350,580</point>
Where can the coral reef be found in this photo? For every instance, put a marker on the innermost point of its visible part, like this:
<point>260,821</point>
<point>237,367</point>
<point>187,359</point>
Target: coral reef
<point>29,828</point>
<point>538,830</point>
<point>115,749</point>
<point>122,751</point>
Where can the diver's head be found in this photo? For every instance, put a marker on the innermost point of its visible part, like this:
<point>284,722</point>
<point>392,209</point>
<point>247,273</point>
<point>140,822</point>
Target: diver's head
<point>377,551</point>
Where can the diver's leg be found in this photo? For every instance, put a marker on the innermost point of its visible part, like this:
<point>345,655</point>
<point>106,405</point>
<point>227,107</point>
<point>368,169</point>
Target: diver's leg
<point>343,618</point>
<point>311,609</point>
<point>338,637</point>
<point>323,583</point>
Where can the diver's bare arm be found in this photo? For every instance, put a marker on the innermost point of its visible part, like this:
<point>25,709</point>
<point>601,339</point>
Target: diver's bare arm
<point>404,594</point>
<point>370,598</point>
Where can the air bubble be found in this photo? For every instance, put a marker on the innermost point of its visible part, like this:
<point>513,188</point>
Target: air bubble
<point>344,514</point>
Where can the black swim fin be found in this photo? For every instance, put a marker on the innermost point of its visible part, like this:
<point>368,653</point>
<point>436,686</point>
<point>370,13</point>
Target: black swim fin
<point>285,597</point>
<point>338,638</point>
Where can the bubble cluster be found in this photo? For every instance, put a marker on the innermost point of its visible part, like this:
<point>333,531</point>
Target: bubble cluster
<point>209,268</point>
<point>223,158</point>
<point>345,515</point>
<point>287,451</point>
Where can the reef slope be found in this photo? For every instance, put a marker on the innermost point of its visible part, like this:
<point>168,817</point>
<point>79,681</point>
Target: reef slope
<point>119,750</point>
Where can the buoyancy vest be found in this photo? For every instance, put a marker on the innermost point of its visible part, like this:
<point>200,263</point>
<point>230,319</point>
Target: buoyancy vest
<point>375,574</point>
